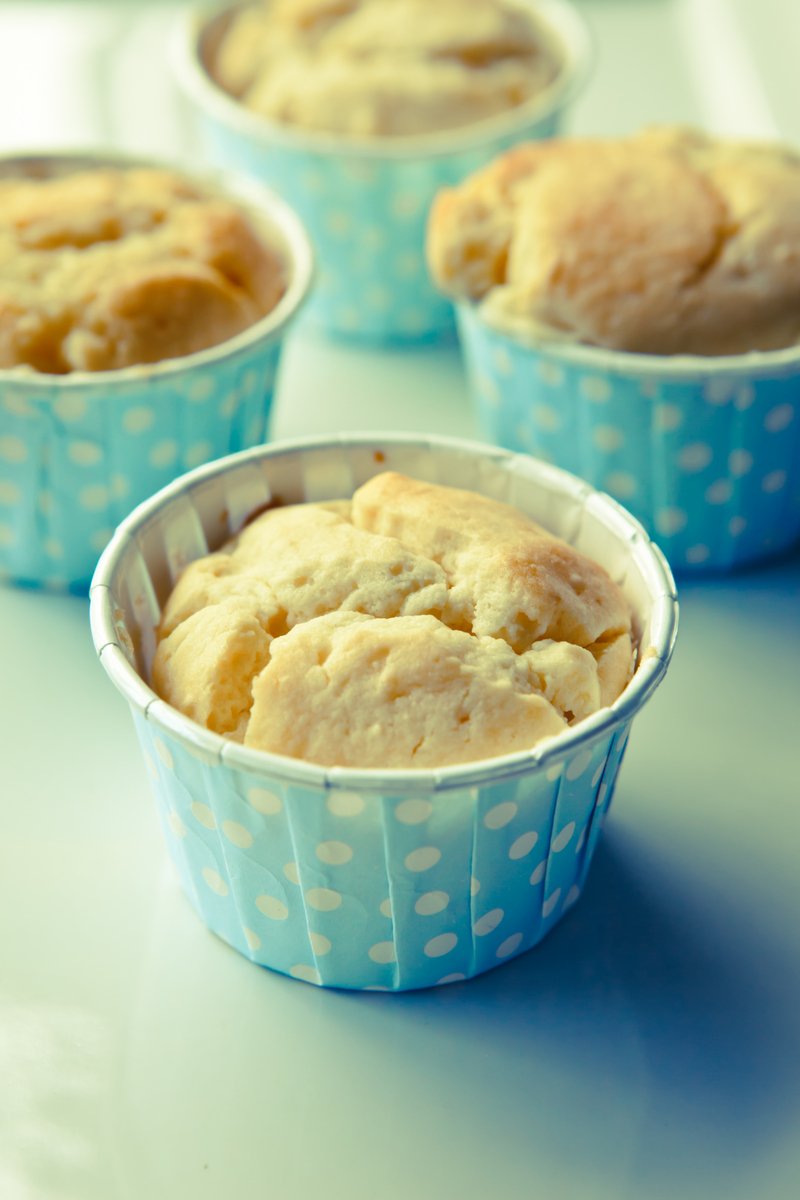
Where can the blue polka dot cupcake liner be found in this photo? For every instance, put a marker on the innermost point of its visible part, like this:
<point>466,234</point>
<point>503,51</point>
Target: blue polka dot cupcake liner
<point>365,202</point>
<point>365,879</point>
<point>705,453</point>
<point>78,451</point>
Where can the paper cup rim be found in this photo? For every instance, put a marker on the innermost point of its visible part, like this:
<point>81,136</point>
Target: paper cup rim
<point>749,365</point>
<point>140,695</point>
<point>560,17</point>
<point>247,192</point>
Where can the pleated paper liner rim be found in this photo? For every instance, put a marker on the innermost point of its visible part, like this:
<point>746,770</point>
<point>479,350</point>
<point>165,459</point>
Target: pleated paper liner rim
<point>654,657</point>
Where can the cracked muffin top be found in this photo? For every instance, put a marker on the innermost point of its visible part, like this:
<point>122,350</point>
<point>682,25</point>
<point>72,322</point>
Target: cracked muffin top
<point>412,626</point>
<point>109,268</point>
<point>383,67</point>
<point>667,242</point>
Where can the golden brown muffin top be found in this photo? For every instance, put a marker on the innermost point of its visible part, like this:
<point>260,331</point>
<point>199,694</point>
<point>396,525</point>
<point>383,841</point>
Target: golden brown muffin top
<point>667,242</point>
<point>414,626</point>
<point>383,67</point>
<point>109,268</point>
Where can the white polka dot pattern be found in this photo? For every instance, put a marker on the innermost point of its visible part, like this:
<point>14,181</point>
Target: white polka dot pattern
<point>595,388</point>
<point>487,922</point>
<point>563,838</point>
<point>701,460</point>
<point>500,815</point>
<point>431,903</point>
<point>671,520</point>
<point>84,454</point>
<point>107,452</point>
<point>138,419</point>
<point>271,907</point>
<point>203,814</point>
<point>547,417</point>
<point>382,952</point>
<point>345,804</point>
<point>423,859</point>
<point>306,973</point>
<point>510,945</point>
<point>71,407</point>
<point>176,825</point>
<point>608,438</point>
<point>214,881</point>
<point>13,449</point>
<point>774,481</point>
<point>523,844</point>
<point>537,875</point>
<point>320,944</point>
<point>238,834</point>
<point>351,889</point>
<point>438,946</point>
<point>164,753</point>
<point>413,812</point>
<point>719,492</point>
<point>323,899</point>
<point>252,939</point>
<point>334,853</point>
<point>667,418</point>
<point>621,484</point>
<point>9,493</point>
<point>579,764</point>
<point>367,220</point>
<point>264,801</point>
<point>779,418</point>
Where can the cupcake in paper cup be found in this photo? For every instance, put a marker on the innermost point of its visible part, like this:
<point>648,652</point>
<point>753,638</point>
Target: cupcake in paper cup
<point>358,113</point>
<point>630,310</point>
<point>382,703</point>
<point>142,315</point>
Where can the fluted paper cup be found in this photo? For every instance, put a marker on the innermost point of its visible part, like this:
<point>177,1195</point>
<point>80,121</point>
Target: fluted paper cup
<point>365,201</point>
<point>78,451</point>
<point>705,452</point>
<point>364,878</point>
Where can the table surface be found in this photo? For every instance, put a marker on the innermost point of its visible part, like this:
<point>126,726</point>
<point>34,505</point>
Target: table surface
<point>649,1048</point>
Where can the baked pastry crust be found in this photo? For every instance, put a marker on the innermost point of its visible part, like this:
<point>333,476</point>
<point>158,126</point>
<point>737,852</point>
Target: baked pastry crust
<point>668,242</point>
<point>109,268</point>
<point>413,626</point>
<point>383,67</point>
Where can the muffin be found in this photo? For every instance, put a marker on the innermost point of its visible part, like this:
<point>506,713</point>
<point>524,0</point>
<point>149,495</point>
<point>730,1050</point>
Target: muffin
<point>141,320</point>
<point>488,763</point>
<point>416,626</point>
<point>383,68</point>
<point>358,112</point>
<point>112,267</point>
<point>631,310</point>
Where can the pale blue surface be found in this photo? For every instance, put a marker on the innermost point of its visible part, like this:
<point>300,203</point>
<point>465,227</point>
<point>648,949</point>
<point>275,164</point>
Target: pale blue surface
<point>708,462</point>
